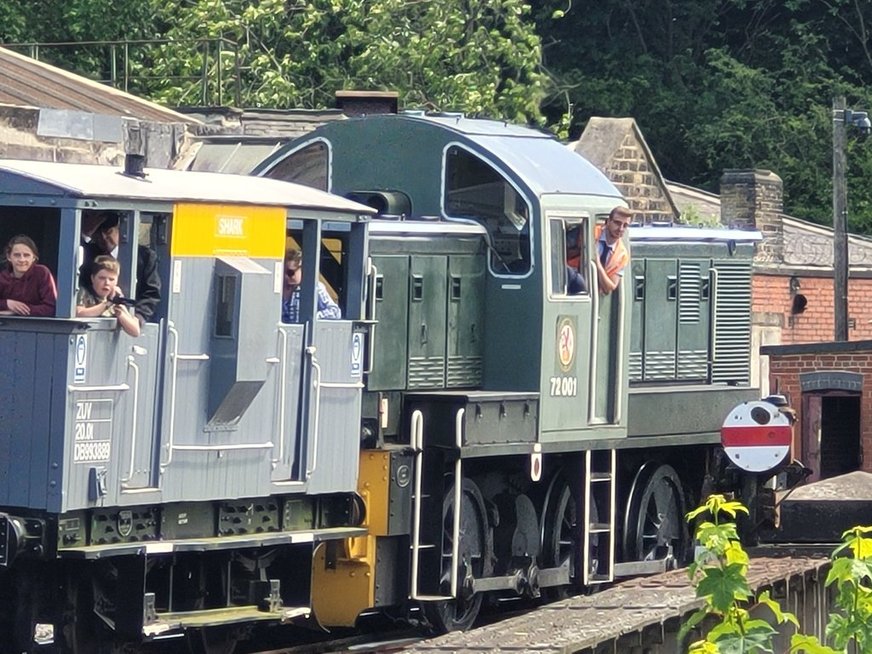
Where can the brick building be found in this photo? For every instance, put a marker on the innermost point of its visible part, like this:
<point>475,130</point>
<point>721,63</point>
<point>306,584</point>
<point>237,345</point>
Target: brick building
<point>793,266</point>
<point>825,385</point>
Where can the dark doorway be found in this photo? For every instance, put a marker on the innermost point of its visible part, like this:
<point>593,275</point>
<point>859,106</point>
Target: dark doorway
<point>831,434</point>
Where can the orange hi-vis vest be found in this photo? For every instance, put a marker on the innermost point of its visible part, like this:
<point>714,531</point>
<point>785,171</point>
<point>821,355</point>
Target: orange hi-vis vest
<point>619,256</point>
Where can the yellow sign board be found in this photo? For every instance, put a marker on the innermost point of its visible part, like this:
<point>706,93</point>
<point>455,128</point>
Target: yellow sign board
<point>209,230</point>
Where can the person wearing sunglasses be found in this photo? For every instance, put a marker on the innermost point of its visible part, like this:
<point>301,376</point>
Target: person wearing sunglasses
<point>612,255</point>
<point>327,308</point>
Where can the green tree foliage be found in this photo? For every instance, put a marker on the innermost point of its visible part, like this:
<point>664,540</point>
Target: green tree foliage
<point>476,56</point>
<point>77,25</point>
<point>718,84</point>
<point>713,84</point>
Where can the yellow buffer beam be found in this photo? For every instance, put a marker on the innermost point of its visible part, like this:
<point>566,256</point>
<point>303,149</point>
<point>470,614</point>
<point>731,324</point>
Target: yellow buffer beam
<point>343,586</point>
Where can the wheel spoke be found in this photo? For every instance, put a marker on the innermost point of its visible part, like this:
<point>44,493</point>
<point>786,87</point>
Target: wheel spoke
<point>657,515</point>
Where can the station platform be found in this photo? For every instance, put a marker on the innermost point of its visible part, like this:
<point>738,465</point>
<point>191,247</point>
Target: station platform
<point>640,616</point>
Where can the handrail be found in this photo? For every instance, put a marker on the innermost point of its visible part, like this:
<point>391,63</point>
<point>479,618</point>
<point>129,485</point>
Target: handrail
<point>316,384</point>
<point>416,438</point>
<point>90,389</point>
<point>283,387</point>
<point>323,384</point>
<point>619,373</point>
<point>371,301</point>
<point>594,339</point>
<point>226,446</point>
<point>131,363</point>
<point>175,357</point>
<point>585,533</point>
<point>458,496</point>
<point>174,371</point>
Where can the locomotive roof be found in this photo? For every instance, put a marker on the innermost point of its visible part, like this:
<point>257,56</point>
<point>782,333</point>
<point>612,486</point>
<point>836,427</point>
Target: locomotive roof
<point>19,177</point>
<point>538,159</point>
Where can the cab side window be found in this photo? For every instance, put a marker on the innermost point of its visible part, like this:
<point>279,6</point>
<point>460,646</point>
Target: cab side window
<point>569,261</point>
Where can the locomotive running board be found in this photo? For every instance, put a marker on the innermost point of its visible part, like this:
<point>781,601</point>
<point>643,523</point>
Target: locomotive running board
<point>167,622</point>
<point>156,547</point>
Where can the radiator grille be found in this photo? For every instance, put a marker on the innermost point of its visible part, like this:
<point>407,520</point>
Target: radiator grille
<point>426,372</point>
<point>692,364</point>
<point>688,292</point>
<point>635,366</point>
<point>732,340</point>
<point>660,365</point>
<point>464,371</point>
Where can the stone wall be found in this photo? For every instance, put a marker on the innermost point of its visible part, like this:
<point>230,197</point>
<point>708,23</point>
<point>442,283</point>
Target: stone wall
<point>631,172</point>
<point>80,137</point>
<point>753,199</point>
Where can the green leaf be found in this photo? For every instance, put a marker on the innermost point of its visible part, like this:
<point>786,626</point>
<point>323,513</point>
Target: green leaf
<point>695,618</point>
<point>747,643</point>
<point>723,585</point>
<point>810,645</point>
<point>780,616</point>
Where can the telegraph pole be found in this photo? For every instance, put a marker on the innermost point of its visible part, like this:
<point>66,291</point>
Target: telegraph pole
<point>840,220</point>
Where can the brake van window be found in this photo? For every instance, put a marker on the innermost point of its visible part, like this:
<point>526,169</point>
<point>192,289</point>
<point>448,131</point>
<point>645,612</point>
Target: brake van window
<point>476,190</point>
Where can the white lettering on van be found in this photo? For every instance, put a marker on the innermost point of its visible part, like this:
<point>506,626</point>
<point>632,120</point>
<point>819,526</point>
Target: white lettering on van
<point>231,226</point>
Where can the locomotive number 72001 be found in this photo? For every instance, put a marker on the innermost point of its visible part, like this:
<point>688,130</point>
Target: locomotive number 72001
<point>564,386</point>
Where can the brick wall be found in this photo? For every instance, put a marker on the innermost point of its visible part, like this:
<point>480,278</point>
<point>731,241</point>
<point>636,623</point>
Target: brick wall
<point>784,372</point>
<point>772,294</point>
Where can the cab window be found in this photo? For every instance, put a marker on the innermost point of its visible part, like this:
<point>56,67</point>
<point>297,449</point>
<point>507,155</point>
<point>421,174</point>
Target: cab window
<point>475,190</point>
<point>569,259</point>
<point>309,166</point>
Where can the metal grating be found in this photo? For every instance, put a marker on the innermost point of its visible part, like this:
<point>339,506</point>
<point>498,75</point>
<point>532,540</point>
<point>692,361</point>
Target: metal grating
<point>692,364</point>
<point>732,338</point>
<point>689,284</point>
<point>660,365</point>
<point>426,372</point>
<point>464,371</point>
<point>635,366</point>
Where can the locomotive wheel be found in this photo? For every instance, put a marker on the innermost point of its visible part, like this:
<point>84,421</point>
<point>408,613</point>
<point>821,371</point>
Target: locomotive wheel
<point>475,556</point>
<point>560,536</point>
<point>655,516</point>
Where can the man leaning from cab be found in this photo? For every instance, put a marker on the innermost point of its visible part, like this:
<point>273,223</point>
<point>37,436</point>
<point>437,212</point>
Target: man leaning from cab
<point>612,254</point>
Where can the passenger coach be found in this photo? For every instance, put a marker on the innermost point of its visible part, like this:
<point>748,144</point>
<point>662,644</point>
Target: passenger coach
<point>180,479</point>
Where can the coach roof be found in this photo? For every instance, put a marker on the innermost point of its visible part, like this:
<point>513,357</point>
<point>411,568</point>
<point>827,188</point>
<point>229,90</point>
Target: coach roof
<point>41,178</point>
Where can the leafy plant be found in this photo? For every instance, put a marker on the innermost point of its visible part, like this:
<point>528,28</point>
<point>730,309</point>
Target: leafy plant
<point>719,573</point>
<point>852,574</point>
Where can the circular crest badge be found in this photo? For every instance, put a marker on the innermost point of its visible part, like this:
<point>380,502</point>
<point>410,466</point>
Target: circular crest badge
<point>565,343</point>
